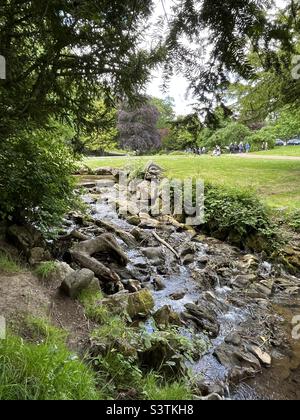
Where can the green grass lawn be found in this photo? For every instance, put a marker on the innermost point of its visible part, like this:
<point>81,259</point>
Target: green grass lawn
<point>276,181</point>
<point>282,151</point>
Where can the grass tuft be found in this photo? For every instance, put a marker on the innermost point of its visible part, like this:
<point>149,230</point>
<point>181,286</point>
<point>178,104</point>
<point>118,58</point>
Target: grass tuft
<point>8,264</point>
<point>45,269</point>
<point>43,371</point>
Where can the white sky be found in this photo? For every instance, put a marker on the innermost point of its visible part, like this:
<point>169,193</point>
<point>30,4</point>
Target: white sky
<point>178,84</point>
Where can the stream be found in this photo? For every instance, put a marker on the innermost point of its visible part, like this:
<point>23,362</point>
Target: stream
<point>214,275</point>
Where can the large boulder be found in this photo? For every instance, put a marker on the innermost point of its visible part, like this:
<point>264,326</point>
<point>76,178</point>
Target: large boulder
<point>39,255</point>
<point>78,281</point>
<point>138,304</point>
<point>62,270</point>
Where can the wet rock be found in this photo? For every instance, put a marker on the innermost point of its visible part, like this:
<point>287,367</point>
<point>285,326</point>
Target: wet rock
<point>177,295</point>
<point>134,220</point>
<point>233,339</point>
<point>204,259</point>
<point>76,282</point>
<point>138,304</point>
<point>148,222</point>
<point>239,374</point>
<point>39,255</point>
<point>230,356</point>
<point>204,318</point>
<point>158,284</point>
<point>188,259</point>
<point>132,285</point>
<point>188,249</point>
<point>207,388</point>
<point>262,356</point>
<point>244,281</point>
<point>154,255</point>
<point>264,287</point>
<point>165,316</point>
<point>249,262</point>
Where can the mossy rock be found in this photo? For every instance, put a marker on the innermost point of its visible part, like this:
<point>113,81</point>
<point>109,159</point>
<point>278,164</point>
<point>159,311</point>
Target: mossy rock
<point>138,304</point>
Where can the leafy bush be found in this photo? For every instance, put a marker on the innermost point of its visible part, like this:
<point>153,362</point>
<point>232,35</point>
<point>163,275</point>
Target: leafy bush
<point>257,138</point>
<point>44,371</point>
<point>232,133</point>
<point>239,217</point>
<point>35,174</point>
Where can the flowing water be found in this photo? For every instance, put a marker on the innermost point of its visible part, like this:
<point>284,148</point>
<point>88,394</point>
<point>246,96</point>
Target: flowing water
<point>282,380</point>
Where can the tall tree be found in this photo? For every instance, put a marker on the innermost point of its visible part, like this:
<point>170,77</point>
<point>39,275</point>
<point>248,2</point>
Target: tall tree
<point>209,41</point>
<point>138,128</point>
<point>58,52</point>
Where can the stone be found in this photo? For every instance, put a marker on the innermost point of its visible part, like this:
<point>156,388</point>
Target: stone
<point>244,281</point>
<point>154,255</point>
<point>239,374</point>
<point>232,357</point>
<point>166,316</point>
<point>177,295</point>
<point>61,272</point>
<point>39,255</point>
<point>132,285</point>
<point>262,356</point>
<point>138,304</point>
<point>188,259</point>
<point>76,282</point>
<point>233,339</point>
<point>204,318</point>
<point>250,261</point>
<point>158,284</point>
<point>148,222</point>
<point>134,220</point>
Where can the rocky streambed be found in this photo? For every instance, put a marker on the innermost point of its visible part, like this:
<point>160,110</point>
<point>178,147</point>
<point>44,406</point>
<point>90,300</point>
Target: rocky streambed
<point>243,304</point>
<point>166,273</point>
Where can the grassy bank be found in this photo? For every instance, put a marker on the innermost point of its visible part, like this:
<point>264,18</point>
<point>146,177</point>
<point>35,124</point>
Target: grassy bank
<point>276,182</point>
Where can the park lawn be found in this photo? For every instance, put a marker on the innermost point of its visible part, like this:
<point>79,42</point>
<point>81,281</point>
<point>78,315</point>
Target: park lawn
<point>275,181</point>
<point>281,151</point>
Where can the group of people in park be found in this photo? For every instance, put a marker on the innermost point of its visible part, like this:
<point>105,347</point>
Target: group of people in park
<point>234,148</point>
<point>239,148</point>
<point>197,150</point>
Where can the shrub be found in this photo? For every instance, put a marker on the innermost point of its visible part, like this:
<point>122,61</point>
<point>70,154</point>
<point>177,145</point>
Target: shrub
<point>232,133</point>
<point>35,172</point>
<point>239,217</point>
